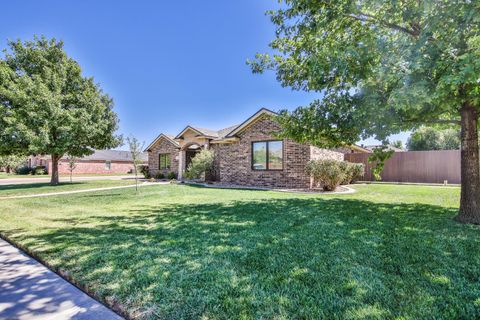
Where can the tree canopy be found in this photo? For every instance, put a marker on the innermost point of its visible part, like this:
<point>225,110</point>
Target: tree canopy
<point>428,138</point>
<point>48,107</point>
<point>382,67</point>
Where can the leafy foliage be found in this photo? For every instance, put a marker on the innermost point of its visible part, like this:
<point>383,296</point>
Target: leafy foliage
<point>48,107</point>
<point>331,173</point>
<point>328,173</point>
<point>352,171</point>
<point>201,163</point>
<point>171,175</point>
<point>428,138</point>
<point>383,67</point>
<point>378,158</point>
<point>10,162</point>
<point>145,171</point>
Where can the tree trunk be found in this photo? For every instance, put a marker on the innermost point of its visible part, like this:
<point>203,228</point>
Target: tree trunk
<point>470,167</point>
<point>54,180</point>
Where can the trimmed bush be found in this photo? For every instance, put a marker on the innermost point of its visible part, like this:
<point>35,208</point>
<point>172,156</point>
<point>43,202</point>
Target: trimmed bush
<point>331,173</point>
<point>201,163</point>
<point>327,173</point>
<point>171,175</point>
<point>159,176</point>
<point>357,171</point>
<point>23,170</point>
<point>145,171</point>
<point>352,171</point>
<point>39,170</point>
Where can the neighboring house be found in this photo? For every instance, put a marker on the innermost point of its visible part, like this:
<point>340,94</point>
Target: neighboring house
<point>100,162</point>
<point>389,147</point>
<point>247,154</point>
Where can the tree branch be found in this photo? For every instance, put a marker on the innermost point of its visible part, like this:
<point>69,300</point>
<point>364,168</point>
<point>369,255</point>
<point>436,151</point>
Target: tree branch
<point>365,17</point>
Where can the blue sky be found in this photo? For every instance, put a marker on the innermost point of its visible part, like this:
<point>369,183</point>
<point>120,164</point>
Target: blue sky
<point>165,63</point>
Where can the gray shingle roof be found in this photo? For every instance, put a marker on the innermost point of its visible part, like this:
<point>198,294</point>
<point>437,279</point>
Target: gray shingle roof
<point>216,134</point>
<point>114,155</point>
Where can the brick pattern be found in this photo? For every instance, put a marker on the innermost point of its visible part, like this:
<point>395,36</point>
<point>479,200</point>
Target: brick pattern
<point>94,167</point>
<point>163,146</point>
<point>233,161</point>
<point>318,153</point>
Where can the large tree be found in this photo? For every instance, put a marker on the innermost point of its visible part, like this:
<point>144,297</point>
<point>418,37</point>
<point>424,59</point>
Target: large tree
<point>428,138</point>
<point>383,67</point>
<point>48,107</point>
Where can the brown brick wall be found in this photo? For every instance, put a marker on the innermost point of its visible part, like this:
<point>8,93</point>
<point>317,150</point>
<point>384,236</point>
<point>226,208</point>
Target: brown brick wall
<point>94,167</point>
<point>163,146</point>
<point>318,153</point>
<point>233,161</point>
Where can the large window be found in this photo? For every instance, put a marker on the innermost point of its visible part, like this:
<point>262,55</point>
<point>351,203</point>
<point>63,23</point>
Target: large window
<point>267,155</point>
<point>164,161</point>
<point>108,165</point>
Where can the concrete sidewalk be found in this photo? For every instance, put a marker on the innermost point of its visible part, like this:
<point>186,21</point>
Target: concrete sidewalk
<point>29,290</point>
<point>44,179</point>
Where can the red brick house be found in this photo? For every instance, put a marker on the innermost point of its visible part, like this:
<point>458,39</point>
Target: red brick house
<point>100,162</point>
<point>247,154</point>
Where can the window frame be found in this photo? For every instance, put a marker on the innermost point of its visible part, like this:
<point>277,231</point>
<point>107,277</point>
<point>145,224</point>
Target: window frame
<point>267,142</point>
<point>167,155</point>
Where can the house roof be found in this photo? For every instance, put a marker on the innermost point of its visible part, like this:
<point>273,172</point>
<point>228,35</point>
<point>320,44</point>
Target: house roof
<point>250,120</point>
<point>107,155</point>
<point>167,137</point>
<point>207,132</point>
<point>227,134</point>
<point>389,147</point>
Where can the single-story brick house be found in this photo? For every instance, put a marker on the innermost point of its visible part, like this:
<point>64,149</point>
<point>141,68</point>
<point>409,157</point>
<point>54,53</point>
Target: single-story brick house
<point>246,154</point>
<point>100,162</point>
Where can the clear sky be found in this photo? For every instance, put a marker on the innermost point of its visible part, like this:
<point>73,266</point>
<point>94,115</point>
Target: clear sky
<point>166,63</point>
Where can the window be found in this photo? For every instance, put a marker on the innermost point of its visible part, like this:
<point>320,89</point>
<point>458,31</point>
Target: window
<point>164,161</point>
<point>267,155</point>
<point>108,165</point>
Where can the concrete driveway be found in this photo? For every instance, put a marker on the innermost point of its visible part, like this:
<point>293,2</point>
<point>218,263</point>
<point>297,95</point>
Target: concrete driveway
<point>62,179</point>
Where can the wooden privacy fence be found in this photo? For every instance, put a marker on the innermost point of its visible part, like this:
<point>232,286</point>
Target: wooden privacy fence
<point>415,166</point>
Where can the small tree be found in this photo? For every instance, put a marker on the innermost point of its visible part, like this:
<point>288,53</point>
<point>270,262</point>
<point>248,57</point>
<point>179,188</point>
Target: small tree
<point>10,162</point>
<point>201,163</point>
<point>72,165</point>
<point>397,144</point>
<point>136,149</point>
<point>378,158</point>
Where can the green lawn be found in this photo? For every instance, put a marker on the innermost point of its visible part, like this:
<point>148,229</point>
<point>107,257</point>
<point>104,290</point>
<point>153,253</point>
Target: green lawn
<point>4,175</point>
<point>188,252</point>
<point>40,188</point>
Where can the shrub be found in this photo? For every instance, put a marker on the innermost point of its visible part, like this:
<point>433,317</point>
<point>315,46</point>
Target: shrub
<point>201,163</point>
<point>145,171</point>
<point>352,171</point>
<point>23,170</point>
<point>328,173</point>
<point>358,170</point>
<point>159,176</point>
<point>39,170</point>
<point>171,175</point>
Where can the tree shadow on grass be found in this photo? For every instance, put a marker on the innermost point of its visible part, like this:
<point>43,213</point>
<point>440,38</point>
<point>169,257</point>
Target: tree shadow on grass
<point>293,258</point>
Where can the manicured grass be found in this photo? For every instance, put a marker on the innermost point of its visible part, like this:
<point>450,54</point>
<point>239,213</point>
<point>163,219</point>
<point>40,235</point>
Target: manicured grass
<point>4,175</point>
<point>41,188</point>
<point>187,252</point>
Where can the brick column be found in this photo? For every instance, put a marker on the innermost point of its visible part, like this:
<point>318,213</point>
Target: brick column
<point>181,164</point>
